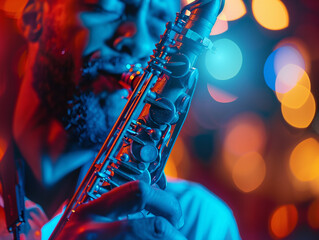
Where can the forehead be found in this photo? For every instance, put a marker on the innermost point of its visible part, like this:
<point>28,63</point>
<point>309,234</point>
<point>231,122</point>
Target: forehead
<point>132,2</point>
<point>166,5</point>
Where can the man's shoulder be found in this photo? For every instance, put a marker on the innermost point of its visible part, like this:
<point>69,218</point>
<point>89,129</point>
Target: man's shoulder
<point>206,215</point>
<point>197,193</point>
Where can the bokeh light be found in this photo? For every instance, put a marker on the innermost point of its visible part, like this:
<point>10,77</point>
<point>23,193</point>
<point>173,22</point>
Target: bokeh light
<point>296,97</point>
<point>219,95</point>
<point>225,61</point>
<point>301,53</point>
<point>288,55</point>
<point>233,10</point>
<point>283,221</point>
<point>302,116</point>
<point>277,60</point>
<point>245,133</point>
<point>249,172</point>
<point>178,163</point>
<point>293,86</point>
<point>304,160</point>
<point>170,169</point>
<point>313,214</point>
<point>271,14</point>
<point>220,26</point>
<point>284,72</point>
<point>289,76</point>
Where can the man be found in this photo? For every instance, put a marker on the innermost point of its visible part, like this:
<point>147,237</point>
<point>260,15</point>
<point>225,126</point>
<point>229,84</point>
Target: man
<point>62,117</point>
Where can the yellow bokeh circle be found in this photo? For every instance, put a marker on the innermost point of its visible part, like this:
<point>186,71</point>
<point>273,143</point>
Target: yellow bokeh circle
<point>300,117</point>
<point>304,160</point>
<point>271,14</point>
<point>249,172</point>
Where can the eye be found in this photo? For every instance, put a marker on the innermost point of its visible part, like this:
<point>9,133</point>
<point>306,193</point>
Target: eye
<point>98,8</point>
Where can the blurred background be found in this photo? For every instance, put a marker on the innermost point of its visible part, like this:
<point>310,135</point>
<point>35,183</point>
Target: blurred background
<point>251,136</point>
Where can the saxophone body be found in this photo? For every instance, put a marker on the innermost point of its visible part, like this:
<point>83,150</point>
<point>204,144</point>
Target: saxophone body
<point>143,136</point>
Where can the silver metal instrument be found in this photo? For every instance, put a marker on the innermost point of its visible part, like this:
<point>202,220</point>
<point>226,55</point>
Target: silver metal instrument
<point>142,138</point>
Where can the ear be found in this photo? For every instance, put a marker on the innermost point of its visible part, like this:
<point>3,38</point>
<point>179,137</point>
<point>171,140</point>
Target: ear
<point>32,20</point>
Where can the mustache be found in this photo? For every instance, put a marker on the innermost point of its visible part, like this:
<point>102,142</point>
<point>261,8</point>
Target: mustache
<point>114,65</point>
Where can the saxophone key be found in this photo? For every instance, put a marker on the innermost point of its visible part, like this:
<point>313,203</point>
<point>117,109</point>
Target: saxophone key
<point>131,166</point>
<point>123,174</point>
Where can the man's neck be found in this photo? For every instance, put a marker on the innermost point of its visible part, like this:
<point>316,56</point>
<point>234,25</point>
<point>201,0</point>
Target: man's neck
<point>50,198</point>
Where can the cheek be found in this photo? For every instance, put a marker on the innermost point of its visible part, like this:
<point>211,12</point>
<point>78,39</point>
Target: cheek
<point>80,42</point>
<point>75,40</point>
<point>100,38</point>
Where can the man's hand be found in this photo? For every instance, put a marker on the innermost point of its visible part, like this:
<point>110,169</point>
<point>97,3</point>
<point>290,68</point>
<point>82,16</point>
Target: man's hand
<point>100,218</point>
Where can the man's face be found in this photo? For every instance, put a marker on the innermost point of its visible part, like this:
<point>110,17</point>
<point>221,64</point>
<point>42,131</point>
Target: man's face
<point>100,38</point>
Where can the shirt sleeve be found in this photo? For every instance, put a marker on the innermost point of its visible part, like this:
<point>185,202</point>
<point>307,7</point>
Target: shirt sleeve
<point>206,216</point>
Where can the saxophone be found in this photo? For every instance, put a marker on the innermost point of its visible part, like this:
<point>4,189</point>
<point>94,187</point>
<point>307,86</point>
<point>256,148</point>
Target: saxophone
<point>143,136</point>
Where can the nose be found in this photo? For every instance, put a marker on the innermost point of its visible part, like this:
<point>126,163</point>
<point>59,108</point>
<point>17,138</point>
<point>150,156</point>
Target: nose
<point>133,35</point>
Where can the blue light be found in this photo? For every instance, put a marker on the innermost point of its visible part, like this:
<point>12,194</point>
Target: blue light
<point>269,71</point>
<point>277,60</point>
<point>225,61</point>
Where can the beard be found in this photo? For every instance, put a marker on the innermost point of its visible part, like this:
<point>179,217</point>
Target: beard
<point>86,115</point>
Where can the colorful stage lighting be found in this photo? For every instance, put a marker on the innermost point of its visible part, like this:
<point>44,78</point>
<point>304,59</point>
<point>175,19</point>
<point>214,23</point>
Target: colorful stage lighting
<point>219,95</point>
<point>283,221</point>
<point>249,172</point>
<point>304,160</point>
<point>233,10</point>
<point>300,117</point>
<point>276,61</point>
<point>225,61</point>
<point>221,26</point>
<point>271,14</point>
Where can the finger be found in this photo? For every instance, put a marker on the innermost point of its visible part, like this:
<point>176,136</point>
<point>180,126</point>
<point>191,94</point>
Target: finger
<point>154,228</point>
<point>133,197</point>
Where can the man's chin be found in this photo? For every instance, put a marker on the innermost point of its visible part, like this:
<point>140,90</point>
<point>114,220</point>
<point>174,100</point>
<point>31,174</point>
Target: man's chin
<point>91,116</point>
<point>85,120</point>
